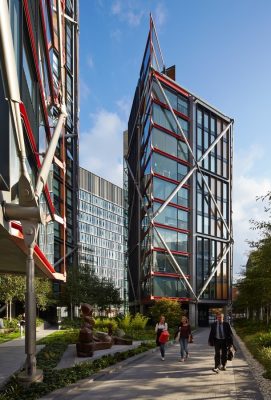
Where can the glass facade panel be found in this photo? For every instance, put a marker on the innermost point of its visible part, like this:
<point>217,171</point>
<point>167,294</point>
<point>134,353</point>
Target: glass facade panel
<point>168,287</point>
<point>164,118</point>
<point>162,189</point>
<point>164,142</point>
<point>165,166</point>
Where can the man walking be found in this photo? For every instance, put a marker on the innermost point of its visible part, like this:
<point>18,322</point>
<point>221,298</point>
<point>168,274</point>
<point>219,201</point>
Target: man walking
<point>220,337</point>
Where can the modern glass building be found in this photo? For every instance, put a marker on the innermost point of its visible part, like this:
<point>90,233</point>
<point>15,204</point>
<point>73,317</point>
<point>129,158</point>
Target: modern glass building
<point>179,162</point>
<point>45,46</point>
<point>102,241</point>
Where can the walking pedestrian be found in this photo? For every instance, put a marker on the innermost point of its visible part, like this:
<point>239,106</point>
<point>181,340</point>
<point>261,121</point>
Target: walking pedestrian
<point>22,325</point>
<point>160,327</point>
<point>220,337</point>
<point>184,334</point>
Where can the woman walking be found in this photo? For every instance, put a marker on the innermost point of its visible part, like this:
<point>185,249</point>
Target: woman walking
<point>185,333</point>
<point>159,328</point>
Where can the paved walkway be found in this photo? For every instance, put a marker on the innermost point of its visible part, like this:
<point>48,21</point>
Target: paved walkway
<point>146,377</point>
<point>12,355</point>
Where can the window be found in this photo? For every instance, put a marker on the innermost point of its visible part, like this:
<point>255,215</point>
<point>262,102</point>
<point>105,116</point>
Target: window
<point>182,150</point>
<point>162,189</point>
<point>182,219</point>
<point>182,171</point>
<point>182,105</point>
<point>164,118</point>
<point>164,142</point>
<point>169,287</point>
<point>162,262</point>
<point>168,216</point>
<point>29,76</point>
<point>69,45</point>
<point>170,237</point>
<point>164,166</point>
<point>55,64</point>
<point>184,125</point>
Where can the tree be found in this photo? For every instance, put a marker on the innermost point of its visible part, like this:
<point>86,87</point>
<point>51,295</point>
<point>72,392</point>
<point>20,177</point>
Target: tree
<point>44,293</point>
<point>255,285</point>
<point>12,287</point>
<point>108,295</point>
<point>171,309</point>
<point>84,286</point>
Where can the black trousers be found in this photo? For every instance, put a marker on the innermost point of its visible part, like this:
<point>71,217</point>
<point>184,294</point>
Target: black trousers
<point>220,352</point>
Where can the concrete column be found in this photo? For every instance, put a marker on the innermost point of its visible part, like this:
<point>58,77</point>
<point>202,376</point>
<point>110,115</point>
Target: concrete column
<point>193,314</point>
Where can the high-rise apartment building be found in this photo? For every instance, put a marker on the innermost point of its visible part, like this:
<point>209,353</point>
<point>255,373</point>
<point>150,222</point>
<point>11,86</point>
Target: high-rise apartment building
<point>39,146</point>
<point>102,241</point>
<point>45,46</point>
<point>179,162</point>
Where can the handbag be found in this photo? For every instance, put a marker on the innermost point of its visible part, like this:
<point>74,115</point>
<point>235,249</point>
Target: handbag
<point>163,338</point>
<point>190,339</point>
<point>231,352</point>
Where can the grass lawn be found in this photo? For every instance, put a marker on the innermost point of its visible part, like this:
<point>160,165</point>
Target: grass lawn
<point>6,337</point>
<point>257,337</point>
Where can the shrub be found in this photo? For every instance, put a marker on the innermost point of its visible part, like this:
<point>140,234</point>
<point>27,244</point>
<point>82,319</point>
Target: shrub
<point>171,309</point>
<point>138,322</point>
<point>13,324</point>
<point>103,324</point>
<point>67,323</point>
<point>125,323</point>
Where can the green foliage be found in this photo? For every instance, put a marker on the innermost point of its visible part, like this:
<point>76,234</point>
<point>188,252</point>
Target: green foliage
<point>171,309</point>
<point>67,323</point>
<point>83,286</point>
<point>257,338</point>
<point>44,293</point>
<point>12,324</point>
<point>138,322</point>
<point>125,322</point>
<point>6,337</point>
<point>255,285</point>
<point>12,287</point>
<point>102,324</point>
<point>133,326</point>
<point>67,336</point>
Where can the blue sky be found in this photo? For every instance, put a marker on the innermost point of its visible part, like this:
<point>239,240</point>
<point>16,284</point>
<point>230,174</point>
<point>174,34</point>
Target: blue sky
<point>221,49</point>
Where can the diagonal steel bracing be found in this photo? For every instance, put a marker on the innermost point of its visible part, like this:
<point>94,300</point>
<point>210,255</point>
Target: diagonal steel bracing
<point>214,269</point>
<point>196,167</point>
<point>176,265</point>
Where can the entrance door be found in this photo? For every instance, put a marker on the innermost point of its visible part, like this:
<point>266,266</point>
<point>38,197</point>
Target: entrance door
<point>203,315</point>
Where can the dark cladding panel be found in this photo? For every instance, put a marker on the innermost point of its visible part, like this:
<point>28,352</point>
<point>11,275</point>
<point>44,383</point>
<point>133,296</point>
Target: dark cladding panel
<point>4,141</point>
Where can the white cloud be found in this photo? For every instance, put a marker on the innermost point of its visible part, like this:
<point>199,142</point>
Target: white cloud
<point>116,7</point>
<point>90,61</point>
<point>124,106</point>
<point>84,89</point>
<point>160,15</point>
<point>116,34</point>
<point>246,187</point>
<point>128,11</point>
<point>101,146</point>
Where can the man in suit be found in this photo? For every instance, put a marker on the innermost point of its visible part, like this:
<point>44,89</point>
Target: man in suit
<point>220,337</point>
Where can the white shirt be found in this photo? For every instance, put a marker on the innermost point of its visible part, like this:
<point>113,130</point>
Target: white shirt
<point>161,326</point>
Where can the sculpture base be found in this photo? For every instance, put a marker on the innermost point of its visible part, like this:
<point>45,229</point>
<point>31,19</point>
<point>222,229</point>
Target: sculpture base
<point>85,349</point>
<point>122,341</point>
<point>26,379</point>
<point>102,345</point>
